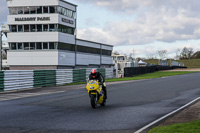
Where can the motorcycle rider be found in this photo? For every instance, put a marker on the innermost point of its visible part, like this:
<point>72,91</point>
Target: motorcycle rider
<point>95,75</point>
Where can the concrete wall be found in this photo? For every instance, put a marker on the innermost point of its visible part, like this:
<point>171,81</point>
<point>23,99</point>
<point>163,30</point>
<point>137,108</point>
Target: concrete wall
<point>27,58</point>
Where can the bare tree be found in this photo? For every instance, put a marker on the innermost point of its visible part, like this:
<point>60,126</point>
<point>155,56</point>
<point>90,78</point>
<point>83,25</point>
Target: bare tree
<point>116,53</point>
<point>151,56</point>
<point>186,53</point>
<point>178,53</point>
<point>162,54</point>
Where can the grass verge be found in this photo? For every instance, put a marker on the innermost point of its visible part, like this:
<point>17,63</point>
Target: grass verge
<point>151,76</point>
<point>191,127</point>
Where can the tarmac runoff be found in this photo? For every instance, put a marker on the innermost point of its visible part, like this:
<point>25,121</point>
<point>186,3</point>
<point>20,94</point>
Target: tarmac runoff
<point>146,128</point>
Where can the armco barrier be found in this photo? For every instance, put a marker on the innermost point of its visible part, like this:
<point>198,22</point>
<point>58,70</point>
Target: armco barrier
<point>132,71</point>
<point>19,79</point>
<point>1,81</point>
<point>64,76</point>
<point>44,78</point>
<point>14,80</point>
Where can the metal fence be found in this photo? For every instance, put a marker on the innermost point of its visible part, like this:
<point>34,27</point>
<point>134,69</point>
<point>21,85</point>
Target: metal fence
<point>21,79</point>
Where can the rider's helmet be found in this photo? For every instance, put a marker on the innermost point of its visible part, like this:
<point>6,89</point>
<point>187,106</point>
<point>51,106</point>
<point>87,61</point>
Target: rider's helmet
<point>94,72</point>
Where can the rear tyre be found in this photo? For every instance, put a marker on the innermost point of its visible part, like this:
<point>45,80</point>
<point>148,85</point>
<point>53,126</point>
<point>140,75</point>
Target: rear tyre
<point>93,101</point>
<point>104,101</point>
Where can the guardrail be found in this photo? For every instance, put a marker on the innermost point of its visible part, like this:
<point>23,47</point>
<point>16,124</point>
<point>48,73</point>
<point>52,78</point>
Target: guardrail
<point>21,79</point>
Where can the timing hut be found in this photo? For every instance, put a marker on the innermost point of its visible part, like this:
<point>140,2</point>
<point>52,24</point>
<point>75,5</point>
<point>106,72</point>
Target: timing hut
<point>43,36</point>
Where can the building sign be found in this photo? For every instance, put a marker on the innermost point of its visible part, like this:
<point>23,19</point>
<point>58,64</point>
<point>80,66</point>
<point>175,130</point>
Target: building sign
<point>67,21</point>
<point>33,19</point>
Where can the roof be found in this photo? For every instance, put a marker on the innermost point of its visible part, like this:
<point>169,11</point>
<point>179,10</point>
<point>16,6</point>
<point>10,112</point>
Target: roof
<point>95,42</point>
<point>68,3</point>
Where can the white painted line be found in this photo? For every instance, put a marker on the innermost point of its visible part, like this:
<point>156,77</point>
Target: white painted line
<point>164,117</point>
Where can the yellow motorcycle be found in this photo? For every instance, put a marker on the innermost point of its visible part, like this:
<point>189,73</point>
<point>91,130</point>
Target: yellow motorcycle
<point>96,93</point>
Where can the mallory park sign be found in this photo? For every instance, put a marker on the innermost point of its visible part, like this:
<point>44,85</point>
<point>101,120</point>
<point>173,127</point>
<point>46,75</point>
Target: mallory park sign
<point>33,19</point>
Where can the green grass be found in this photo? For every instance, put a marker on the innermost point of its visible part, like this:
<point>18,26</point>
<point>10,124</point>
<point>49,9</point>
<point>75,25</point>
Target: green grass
<point>191,127</point>
<point>139,77</point>
<point>150,76</point>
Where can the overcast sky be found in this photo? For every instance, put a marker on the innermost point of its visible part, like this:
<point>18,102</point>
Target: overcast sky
<point>143,25</point>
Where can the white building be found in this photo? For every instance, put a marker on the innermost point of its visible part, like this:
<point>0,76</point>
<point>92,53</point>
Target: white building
<point>43,36</point>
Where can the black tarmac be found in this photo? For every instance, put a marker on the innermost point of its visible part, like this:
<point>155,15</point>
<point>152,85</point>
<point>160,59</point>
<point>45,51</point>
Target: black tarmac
<point>130,106</point>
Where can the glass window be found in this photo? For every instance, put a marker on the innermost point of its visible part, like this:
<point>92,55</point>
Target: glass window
<point>39,27</point>
<point>13,28</point>
<point>52,9</point>
<point>20,10</point>
<point>32,45</point>
<point>19,46</point>
<point>106,52</point>
<point>32,10</point>
<point>33,28</point>
<point>39,9</point>
<point>45,9</point>
<point>51,45</point>
<point>59,28</point>
<point>38,45</point>
<point>13,46</point>
<point>64,11</point>
<point>26,46</point>
<point>52,27</point>
<point>45,27</point>
<point>20,28</point>
<point>26,28</point>
<point>26,10</point>
<point>59,9</point>
<point>13,10</point>
<point>45,45</point>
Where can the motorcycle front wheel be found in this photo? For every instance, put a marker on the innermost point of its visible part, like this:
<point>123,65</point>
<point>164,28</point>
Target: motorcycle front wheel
<point>93,101</point>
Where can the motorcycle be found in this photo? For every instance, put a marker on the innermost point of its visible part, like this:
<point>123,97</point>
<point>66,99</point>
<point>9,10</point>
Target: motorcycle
<point>96,93</point>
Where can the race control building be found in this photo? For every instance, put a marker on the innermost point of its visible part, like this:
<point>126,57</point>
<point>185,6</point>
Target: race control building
<point>43,36</point>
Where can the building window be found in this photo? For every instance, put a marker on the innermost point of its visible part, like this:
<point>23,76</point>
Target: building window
<point>52,27</point>
<point>85,49</point>
<point>38,45</point>
<point>52,45</point>
<point>20,28</point>
<point>33,28</point>
<point>26,10</point>
<point>26,46</point>
<point>45,45</point>
<point>13,46</point>
<point>13,10</point>
<point>20,10</point>
<point>39,9</point>
<point>19,46</point>
<point>13,28</point>
<point>26,28</point>
<point>32,46</point>
<point>39,27</point>
<point>64,46</point>
<point>45,27</point>
<point>45,9</point>
<point>32,10</point>
<point>52,9</point>
<point>106,52</point>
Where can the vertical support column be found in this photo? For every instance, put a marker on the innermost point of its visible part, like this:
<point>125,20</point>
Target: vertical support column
<point>1,34</point>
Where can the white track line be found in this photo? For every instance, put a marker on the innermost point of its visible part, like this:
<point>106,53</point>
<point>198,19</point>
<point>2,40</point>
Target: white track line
<point>164,117</point>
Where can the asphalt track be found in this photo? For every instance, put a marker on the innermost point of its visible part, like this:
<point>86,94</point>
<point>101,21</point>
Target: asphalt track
<point>130,106</point>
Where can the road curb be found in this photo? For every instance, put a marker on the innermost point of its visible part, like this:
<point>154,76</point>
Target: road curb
<point>146,128</point>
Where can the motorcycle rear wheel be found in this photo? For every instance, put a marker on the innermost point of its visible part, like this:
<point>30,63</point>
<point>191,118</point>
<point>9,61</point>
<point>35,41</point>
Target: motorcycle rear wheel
<point>104,102</point>
<point>93,101</point>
